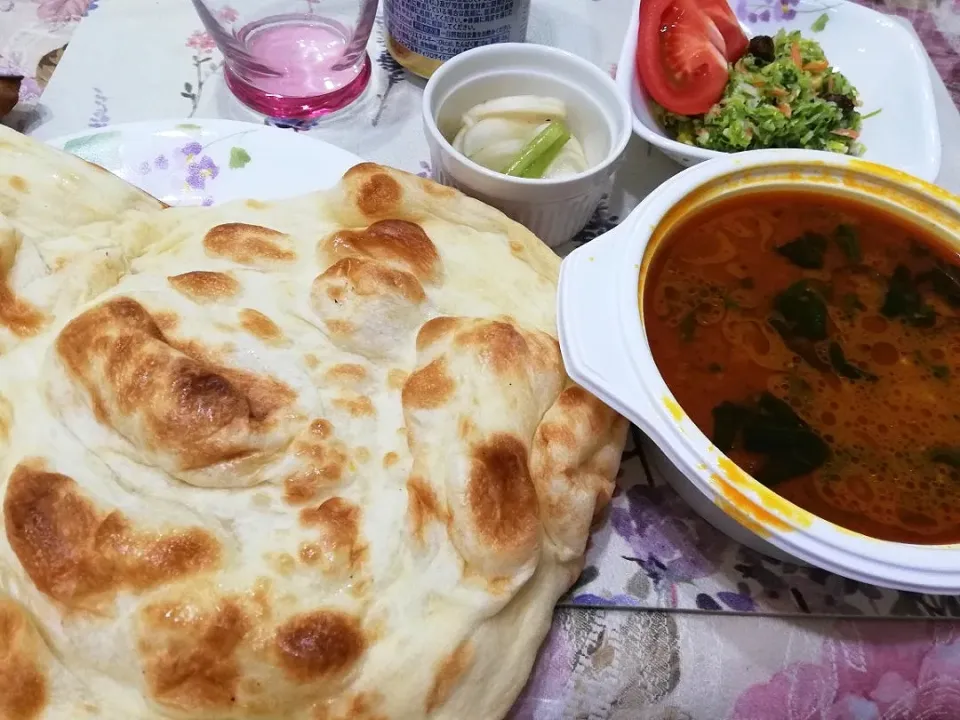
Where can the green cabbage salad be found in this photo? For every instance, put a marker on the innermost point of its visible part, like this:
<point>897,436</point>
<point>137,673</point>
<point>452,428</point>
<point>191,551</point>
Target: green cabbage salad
<point>781,94</point>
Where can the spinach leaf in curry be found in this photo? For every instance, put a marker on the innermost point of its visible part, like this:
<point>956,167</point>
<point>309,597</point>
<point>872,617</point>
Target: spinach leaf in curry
<point>843,367</point>
<point>770,427</point>
<point>806,251</point>
<point>945,281</point>
<point>846,238</point>
<point>801,312</point>
<point>946,456</point>
<point>903,300</point>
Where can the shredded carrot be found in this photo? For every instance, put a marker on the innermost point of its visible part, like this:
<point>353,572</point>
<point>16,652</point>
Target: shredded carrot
<point>758,83</point>
<point>845,132</point>
<point>779,92</point>
<point>785,109</point>
<point>795,55</point>
<point>816,66</point>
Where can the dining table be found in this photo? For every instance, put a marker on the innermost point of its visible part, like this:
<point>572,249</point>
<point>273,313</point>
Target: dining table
<point>670,620</point>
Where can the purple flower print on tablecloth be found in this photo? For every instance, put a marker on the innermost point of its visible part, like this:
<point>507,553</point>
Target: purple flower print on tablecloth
<point>550,675</point>
<point>100,117</point>
<point>668,540</point>
<point>873,671</point>
<point>944,55</point>
<point>205,63</point>
<point>61,11</point>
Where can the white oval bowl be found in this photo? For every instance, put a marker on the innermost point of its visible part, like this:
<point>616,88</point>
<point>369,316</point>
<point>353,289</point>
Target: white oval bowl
<point>882,59</point>
<point>553,209</point>
<point>606,351</point>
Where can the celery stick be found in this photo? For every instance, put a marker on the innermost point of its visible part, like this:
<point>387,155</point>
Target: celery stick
<point>555,133</point>
<point>538,168</point>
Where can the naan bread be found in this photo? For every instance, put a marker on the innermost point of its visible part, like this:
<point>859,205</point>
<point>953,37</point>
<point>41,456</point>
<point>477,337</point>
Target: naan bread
<point>56,249</point>
<point>315,459</point>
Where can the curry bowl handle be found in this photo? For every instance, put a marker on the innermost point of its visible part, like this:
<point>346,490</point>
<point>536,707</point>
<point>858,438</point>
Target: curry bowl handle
<point>591,301</point>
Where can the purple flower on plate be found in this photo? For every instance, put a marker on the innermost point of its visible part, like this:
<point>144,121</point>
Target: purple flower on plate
<point>191,149</point>
<point>668,539</point>
<point>160,163</point>
<point>199,171</point>
<point>766,10</point>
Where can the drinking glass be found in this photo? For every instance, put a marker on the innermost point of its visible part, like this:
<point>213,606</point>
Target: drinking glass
<point>295,59</point>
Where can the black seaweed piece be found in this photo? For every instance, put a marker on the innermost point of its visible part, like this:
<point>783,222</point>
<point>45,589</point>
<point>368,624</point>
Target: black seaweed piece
<point>903,300</point>
<point>802,313</point>
<point>806,251</point>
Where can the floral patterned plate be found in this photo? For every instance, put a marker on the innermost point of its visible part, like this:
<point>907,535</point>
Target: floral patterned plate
<point>202,162</point>
<point>885,62</point>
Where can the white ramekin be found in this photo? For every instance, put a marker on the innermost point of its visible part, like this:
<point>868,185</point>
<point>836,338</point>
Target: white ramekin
<point>606,351</point>
<point>555,210</point>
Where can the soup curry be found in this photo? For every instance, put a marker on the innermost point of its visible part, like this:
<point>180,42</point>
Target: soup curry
<point>817,342</point>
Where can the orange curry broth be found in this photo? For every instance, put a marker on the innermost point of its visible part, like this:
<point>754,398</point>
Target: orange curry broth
<point>719,268</point>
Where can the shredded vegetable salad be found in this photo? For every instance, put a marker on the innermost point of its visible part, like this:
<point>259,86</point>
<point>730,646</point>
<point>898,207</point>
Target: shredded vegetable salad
<point>783,93</point>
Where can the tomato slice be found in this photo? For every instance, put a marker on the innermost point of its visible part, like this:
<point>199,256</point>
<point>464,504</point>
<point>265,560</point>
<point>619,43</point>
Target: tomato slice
<point>722,15</point>
<point>680,56</point>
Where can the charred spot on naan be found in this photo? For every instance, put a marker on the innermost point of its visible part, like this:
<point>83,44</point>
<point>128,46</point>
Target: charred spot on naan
<point>373,190</point>
<point>430,387</point>
<point>500,493</point>
<point>435,329</point>
<point>188,647</point>
<point>320,645</point>
<point>261,326</point>
<point>339,547</point>
<point>250,245</point>
<point>22,680</point>
<point>423,506</point>
<point>205,286</point>
<point>448,675</point>
<point>398,243</point>
<point>323,461</point>
<point>185,412</point>
<point>72,551</point>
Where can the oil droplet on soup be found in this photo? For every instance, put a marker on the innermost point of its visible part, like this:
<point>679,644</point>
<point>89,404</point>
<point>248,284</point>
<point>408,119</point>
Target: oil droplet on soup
<point>816,341</point>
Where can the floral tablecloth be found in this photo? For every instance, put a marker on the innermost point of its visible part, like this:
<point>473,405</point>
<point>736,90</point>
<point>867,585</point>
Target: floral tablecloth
<point>724,632</point>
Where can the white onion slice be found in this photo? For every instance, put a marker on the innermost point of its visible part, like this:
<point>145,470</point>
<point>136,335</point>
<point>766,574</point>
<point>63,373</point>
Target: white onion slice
<point>494,133</point>
<point>518,107</point>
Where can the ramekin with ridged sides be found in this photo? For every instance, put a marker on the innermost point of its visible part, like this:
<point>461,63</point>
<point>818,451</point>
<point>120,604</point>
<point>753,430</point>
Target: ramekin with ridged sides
<point>598,115</point>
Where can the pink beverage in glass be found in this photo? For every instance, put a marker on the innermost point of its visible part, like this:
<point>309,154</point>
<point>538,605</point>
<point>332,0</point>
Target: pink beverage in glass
<point>296,65</point>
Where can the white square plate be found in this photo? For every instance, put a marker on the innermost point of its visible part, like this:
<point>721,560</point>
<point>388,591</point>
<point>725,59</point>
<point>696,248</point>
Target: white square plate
<point>883,60</point>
